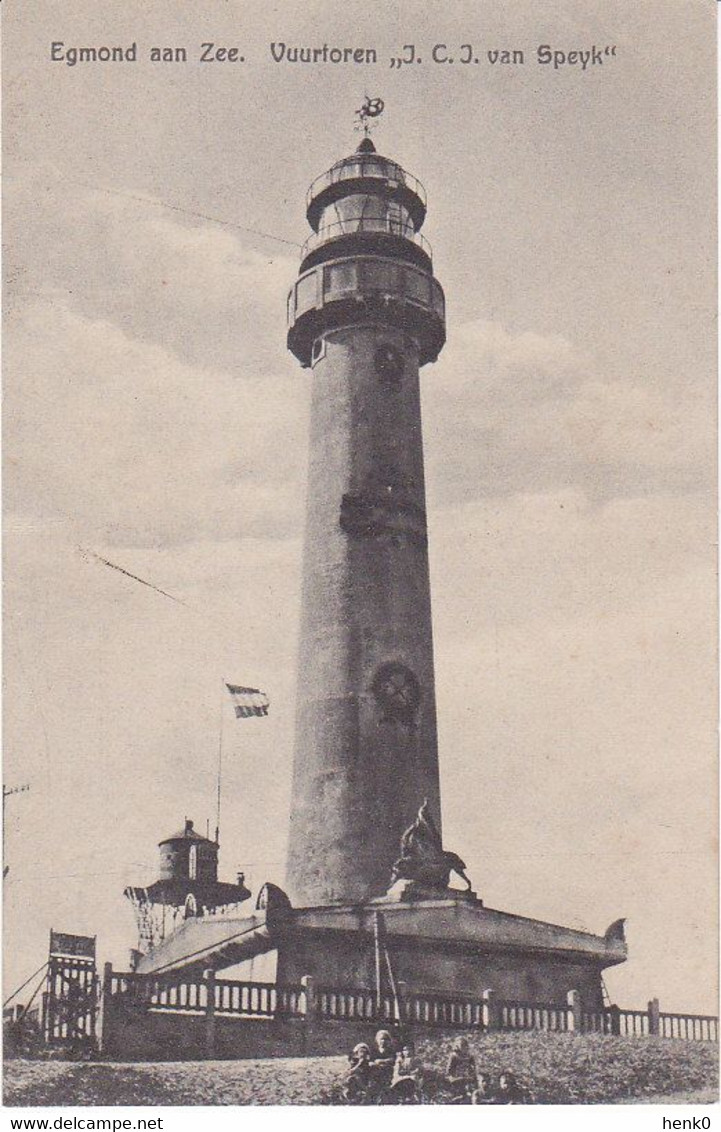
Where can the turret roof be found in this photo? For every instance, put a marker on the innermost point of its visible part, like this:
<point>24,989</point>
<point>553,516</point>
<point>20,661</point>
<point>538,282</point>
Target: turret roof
<point>186,834</point>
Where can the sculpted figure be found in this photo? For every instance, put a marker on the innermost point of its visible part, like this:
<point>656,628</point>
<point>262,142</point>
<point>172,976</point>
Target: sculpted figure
<point>423,857</point>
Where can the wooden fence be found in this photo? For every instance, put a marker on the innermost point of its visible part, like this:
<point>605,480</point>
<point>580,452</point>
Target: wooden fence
<point>210,997</point>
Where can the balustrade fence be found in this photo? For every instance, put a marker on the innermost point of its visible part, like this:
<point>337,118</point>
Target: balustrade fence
<point>310,1002</point>
<point>199,995</point>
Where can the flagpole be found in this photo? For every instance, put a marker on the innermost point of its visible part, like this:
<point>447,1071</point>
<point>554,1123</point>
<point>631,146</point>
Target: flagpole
<point>220,760</point>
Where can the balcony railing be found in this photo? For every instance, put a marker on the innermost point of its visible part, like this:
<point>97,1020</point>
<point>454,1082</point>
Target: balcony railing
<point>361,168</point>
<point>383,225</point>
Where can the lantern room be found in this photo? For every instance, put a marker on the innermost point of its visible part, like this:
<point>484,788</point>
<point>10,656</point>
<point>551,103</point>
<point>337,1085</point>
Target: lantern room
<point>366,257</point>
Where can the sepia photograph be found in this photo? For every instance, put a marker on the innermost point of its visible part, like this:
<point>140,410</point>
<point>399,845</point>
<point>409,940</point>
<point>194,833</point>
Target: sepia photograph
<point>360,627</point>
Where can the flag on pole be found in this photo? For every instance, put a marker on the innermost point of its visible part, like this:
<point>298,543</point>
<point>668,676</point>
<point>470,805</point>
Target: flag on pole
<point>248,701</point>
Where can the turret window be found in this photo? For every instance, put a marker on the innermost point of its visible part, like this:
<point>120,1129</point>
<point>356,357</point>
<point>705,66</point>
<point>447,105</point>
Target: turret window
<point>389,363</point>
<point>319,350</point>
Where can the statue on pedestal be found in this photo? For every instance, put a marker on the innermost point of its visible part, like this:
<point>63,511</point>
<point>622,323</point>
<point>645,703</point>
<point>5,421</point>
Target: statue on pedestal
<point>423,858</point>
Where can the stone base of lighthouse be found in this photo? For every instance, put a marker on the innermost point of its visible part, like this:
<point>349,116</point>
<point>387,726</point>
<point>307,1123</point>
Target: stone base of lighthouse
<point>449,945</point>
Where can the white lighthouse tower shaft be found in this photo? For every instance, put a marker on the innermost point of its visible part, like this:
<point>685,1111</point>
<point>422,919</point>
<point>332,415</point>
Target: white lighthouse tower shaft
<point>365,313</point>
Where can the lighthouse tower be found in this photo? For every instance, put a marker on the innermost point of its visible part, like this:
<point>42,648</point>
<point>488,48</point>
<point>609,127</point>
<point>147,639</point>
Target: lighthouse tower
<point>371,901</point>
<point>365,313</point>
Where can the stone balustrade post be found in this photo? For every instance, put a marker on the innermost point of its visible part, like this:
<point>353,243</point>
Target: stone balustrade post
<point>107,979</point>
<point>491,1010</point>
<point>654,1017</point>
<point>106,1005</point>
<point>402,997</point>
<point>311,999</point>
<point>575,1015</point>
<point>615,1017</point>
<point>209,979</point>
<point>310,1015</point>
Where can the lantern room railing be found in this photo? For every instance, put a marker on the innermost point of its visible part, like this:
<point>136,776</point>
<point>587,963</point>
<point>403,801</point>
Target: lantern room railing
<point>380,225</point>
<point>361,168</point>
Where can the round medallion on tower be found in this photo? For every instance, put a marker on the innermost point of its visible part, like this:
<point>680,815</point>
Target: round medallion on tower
<point>397,691</point>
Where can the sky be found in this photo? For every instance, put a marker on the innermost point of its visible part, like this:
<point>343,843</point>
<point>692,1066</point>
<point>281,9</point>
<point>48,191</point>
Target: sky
<point>154,417</point>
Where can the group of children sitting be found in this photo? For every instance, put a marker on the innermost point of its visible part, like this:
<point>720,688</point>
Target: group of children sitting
<point>386,1075</point>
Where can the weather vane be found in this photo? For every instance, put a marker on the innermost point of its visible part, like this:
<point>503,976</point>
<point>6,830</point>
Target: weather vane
<point>371,108</point>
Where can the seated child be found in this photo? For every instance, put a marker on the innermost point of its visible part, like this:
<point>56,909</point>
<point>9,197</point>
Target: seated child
<point>382,1064</point>
<point>483,1093</point>
<point>461,1070</point>
<point>357,1080</point>
<point>407,1076</point>
<point>509,1091</point>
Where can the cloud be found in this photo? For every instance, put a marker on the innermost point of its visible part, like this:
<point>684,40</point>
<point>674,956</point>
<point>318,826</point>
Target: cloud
<point>526,413</point>
<point>133,445</point>
<point>538,559</point>
<point>210,294</point>
<point>498,353</point>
